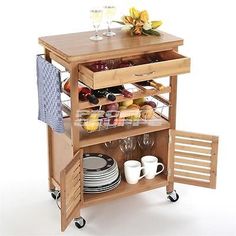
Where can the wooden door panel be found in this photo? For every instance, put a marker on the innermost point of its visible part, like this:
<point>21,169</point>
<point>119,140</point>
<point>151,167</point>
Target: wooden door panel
<point>195,158</point>
<point>71,190</point>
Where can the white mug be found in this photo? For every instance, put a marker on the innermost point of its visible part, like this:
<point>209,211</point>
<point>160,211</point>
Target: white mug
<point>132,171</point>
<point>150,164</point>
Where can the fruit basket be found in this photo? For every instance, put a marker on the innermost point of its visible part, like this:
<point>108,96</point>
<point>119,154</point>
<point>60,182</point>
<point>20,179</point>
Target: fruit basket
<point>128,114</point>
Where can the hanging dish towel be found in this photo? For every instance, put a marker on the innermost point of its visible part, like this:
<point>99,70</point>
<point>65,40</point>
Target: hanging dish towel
<point>49,94</point>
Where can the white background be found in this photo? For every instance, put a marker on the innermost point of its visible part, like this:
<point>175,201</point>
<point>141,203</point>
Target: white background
<point>206,103</point>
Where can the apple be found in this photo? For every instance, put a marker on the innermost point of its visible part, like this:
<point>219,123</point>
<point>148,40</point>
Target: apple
<point>147,112</point>
<point>127,103</point>
<point>111,107</point>
<point>134,106</point>
<point>121,108</point>
<point>151,103</point>
<point>113,121</point>
<point>139,101</point>
<point>134,118</point>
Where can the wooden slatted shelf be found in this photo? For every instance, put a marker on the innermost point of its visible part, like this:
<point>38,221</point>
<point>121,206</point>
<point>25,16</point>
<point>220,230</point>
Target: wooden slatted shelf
<point>88,139</point>
<point>124,189</point>
<point>121,98</point>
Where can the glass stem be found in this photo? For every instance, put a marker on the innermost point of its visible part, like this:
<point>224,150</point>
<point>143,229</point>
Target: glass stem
<point>96,31</point>
<point>128,156</point>
<point>108,26</point>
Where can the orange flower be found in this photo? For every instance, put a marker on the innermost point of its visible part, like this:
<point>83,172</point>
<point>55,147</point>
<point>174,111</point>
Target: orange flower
<point>138,30</point>
<point>128,20</point>
<point>139,23</point>
<point>144,16</point>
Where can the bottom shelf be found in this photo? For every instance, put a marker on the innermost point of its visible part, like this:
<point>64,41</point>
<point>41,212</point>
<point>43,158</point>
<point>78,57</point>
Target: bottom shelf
<point>124,189</point>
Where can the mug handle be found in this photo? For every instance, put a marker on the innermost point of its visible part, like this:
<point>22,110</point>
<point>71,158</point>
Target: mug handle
<point>143,174</point>
<point>160,164</point>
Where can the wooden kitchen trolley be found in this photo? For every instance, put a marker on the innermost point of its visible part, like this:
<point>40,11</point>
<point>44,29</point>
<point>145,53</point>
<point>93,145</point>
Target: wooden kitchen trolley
<point>189,158</point>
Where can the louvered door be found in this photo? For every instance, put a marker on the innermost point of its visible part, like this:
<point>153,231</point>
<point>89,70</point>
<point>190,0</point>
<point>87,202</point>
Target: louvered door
<point>71,190</point>
<point>194,158</point>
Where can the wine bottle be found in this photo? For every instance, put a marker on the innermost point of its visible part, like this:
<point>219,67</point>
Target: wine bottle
<point>85,94</point>
<point>100,93</point>
<point>65,85</point>
<point>152,83</point>
<point>122,90</point>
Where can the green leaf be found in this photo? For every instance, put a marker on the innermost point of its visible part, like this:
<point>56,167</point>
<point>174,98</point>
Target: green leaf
<point>145,32</point>
<point>152,32</point>
<point>119,22</point>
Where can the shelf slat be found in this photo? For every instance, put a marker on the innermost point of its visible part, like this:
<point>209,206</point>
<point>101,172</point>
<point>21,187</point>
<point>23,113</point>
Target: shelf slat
<point>124,189</point>
<point>97,137</point>
<point>121,98</point>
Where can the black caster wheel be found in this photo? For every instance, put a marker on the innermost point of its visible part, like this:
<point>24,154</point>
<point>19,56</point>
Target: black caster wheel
<point>173,196</point>
<point>55,194</point>
<point>80,222</point>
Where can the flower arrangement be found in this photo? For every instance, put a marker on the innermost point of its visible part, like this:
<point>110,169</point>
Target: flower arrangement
<point>137,22</point>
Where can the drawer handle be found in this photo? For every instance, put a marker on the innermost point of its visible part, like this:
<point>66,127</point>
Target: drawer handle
<point>145,74</point>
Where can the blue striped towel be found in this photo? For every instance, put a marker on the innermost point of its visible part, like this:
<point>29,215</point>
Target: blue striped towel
<point>49,94</point>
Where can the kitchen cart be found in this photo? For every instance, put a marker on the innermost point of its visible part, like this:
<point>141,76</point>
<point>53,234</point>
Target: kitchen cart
<point>189,158</point>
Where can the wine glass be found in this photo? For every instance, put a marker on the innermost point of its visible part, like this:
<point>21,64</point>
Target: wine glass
<point>146,141</point>
<point>111,144</point>
<point>127,146</point>
<point>109,13</point>
<point>96,18</point>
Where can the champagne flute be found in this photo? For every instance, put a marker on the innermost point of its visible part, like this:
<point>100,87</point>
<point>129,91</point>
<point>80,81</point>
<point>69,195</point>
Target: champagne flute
<point>109,13</point>
<point>96,18</point>
<point>127,146</point>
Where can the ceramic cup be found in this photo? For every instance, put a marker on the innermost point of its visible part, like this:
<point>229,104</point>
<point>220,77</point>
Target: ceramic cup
<point>150,164</point>
<point>132,171</point>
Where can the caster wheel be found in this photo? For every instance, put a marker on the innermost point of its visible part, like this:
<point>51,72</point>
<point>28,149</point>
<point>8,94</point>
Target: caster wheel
<point>55,194</point>
<point>80,222</point>
<point>173,196</point>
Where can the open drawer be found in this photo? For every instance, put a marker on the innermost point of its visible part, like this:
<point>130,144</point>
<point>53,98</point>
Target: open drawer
<point>169,63</point>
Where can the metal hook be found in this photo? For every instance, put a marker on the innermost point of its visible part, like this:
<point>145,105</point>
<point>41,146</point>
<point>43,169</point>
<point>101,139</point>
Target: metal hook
<point>61,71</point>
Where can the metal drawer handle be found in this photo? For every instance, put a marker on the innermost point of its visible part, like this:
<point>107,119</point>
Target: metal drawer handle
<point>145,74</point>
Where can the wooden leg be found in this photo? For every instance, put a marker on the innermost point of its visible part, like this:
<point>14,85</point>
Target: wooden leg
<point>173,99</point>
<point>172,119</point>
<point>51,185</point>
<point>170,187</point>
<point>49,134</point>
<point>74,76</point>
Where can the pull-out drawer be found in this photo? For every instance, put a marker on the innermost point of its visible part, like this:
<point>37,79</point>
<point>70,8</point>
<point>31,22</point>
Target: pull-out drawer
<point>169,63</point>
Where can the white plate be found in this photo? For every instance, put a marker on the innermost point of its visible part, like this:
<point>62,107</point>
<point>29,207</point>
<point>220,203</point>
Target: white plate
<point>100,176</point>
<point>104,188</point>
<point>101,182</point>
<point>96,162</point>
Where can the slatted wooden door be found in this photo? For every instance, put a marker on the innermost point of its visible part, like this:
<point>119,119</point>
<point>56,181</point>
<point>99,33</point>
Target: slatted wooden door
<point>71,190</point>
<point>194,157</point>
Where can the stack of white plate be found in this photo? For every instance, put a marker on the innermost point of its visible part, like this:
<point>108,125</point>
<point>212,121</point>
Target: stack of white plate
<point>101,173</point>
